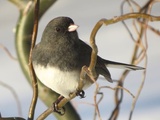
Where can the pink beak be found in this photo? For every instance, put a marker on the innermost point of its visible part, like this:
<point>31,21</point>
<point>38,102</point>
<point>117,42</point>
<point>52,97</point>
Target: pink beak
<point>72,27</point>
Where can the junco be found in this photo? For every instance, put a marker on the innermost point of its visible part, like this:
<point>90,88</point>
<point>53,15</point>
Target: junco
<point>59,57</point>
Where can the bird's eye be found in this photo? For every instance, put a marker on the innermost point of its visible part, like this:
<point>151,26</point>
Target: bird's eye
<point>57,29</point>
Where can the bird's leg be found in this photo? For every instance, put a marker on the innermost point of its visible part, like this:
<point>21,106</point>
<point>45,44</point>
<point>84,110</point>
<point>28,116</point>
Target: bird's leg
<point>83,77</point>
<point>79,91</point>
<point>56,109</point>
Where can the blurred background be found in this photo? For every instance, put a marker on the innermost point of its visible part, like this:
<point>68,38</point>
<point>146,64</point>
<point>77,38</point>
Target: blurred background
<point>114,43</point>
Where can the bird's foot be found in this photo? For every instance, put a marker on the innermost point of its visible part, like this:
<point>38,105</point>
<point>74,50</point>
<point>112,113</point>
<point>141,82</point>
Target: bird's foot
<point>60,111</point>
<point>80,93</point>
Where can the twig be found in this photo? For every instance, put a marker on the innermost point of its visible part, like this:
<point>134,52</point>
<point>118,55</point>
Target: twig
<point>14,95</point>
<point>123,22</point>
<point>118,87</point>
<point>139,90</point>
<point>45,113</point>
<point>108,22</point>
<point>147,8</point>
<point>33,76</point>
<point>7,51</point>
<point>118,99</point>
<point>156,31</point>
<point>96,105</point>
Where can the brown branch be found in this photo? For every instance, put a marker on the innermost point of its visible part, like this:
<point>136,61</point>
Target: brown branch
<point>156,31</point>
<point>92,42</point>
<point>146,8</point>
<point>118,99</point>
<point>96,103</point>
<point>45,114</point>
<point>33,76</point>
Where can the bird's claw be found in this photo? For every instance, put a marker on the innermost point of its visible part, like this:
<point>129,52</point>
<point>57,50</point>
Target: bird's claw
<point>60,111</point>
<point>80,93</point>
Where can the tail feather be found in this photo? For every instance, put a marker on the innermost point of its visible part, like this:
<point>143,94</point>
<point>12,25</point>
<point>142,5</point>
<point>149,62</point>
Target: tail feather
<point>122,65</point>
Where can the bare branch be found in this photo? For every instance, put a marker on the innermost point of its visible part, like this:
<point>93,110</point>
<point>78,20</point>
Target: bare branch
<point>33,76</point>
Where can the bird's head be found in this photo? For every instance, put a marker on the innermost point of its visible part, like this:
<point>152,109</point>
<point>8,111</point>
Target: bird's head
<point>60,29</point>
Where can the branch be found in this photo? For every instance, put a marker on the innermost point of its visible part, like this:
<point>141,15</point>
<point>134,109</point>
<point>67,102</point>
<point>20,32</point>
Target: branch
<point>92,39</point>
<point>32,72</point>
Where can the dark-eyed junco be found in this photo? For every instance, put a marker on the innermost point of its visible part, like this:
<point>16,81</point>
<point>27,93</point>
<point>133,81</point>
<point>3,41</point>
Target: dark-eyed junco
<point>59,57</point>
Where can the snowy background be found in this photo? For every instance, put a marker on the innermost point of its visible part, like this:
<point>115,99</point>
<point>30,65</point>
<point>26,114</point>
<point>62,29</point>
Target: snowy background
<point>113,43</point>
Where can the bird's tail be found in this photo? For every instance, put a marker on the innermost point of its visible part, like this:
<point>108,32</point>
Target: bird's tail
<point>121,65</point>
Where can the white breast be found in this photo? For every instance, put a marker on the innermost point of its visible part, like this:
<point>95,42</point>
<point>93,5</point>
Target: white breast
<point>62,82</point>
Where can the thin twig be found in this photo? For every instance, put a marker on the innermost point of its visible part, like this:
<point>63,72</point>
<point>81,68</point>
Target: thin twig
<point>108,22</point>
<point>118,87</point>
<point>148,9</point>
<point>95,101</point>
<point>92,75</point>
<point>14,95</point>
<point>45,113</point>
<point>7,51</point>
<point>33,76</point>
<point>118,98</point>
<point>139,90</point>
<point>156,31</point>
<point>123,22</point>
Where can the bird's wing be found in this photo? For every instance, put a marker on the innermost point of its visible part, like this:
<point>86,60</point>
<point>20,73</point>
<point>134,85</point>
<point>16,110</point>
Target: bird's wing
<point>100,66</point>
<point>102,69</point>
